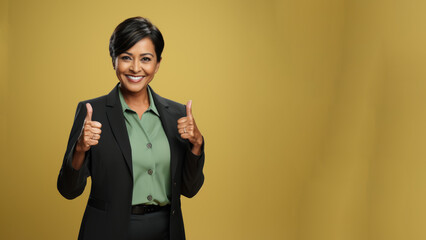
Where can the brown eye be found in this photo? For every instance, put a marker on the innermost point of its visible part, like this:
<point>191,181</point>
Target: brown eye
<point>125,58</point>
<point>146,59</point>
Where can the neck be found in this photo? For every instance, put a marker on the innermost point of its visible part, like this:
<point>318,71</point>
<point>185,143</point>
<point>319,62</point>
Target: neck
<point>139,99</point>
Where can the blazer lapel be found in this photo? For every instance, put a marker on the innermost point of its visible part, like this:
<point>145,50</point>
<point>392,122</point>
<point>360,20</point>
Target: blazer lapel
<point>118,126</point>
<point>169,126</point>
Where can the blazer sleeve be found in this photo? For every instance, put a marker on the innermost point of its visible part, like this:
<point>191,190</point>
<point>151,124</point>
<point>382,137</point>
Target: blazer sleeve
<point>193,177</point>
<point>71,182</point>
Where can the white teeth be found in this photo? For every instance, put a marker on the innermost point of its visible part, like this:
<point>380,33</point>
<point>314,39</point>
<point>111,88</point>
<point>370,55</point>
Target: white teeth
<point>134,78</point>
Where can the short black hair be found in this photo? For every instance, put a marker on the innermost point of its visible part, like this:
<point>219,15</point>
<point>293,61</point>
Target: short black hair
<point>131,31</point>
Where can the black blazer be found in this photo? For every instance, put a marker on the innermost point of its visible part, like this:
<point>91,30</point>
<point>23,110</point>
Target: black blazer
<point>109,164</point>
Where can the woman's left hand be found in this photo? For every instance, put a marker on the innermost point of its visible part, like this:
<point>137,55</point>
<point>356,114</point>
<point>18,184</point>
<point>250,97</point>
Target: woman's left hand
<point>188,130</point>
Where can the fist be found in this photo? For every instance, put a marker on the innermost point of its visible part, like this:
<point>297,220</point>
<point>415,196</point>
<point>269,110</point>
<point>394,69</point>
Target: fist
<point>188,129</point>
<point>91,132</point>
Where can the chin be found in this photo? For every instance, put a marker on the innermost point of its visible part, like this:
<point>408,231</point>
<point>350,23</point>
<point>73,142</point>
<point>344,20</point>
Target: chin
<point>134,88</point>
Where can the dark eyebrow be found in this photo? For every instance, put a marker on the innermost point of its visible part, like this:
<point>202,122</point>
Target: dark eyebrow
<point>143,54</point>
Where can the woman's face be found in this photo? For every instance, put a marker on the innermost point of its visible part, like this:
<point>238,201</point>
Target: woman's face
<point>136,67</point>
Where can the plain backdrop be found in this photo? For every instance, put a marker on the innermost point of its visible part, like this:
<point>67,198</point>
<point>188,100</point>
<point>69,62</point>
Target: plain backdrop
<point>312,110</point>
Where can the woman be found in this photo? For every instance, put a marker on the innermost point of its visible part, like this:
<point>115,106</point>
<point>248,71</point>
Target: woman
<point>142,151</point>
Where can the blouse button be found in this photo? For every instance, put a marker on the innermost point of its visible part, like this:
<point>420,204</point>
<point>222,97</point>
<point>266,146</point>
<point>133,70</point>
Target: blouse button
<point>149,145</point>
<point>149,198</point>
<point>150,171</point>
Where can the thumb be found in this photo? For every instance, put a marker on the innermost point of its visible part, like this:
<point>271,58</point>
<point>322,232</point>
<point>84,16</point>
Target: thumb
<point>89,112</point>
<point>189,108</point>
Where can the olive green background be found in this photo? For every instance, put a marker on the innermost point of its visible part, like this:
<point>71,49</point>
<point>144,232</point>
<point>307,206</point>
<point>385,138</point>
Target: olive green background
<point>312,110</point>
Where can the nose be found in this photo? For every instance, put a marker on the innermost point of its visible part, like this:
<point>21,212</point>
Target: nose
<point>136,66</point>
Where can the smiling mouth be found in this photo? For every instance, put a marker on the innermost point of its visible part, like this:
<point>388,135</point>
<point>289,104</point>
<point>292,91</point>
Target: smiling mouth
<point>134,78</point>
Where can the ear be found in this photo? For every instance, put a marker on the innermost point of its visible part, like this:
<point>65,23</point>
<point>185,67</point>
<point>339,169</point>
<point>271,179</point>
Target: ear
<point>114,63</point>
<point>158,64</point>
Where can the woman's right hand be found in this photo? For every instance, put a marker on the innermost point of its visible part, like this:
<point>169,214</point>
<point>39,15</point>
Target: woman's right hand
<point>91,132</point>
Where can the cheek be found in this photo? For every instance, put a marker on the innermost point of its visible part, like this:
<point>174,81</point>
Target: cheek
<point>150,69</point>
<point>119,73</point>
<point>121,68</point>
<point>154,68</point>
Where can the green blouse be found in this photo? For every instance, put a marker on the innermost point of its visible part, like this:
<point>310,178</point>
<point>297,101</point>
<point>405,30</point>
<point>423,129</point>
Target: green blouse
<point>150,155</point>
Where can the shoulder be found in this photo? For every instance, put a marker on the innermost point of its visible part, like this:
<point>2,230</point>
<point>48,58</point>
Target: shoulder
<point>98,104</point>
<point>96,101</point>
<point>108,99</point>
<point>173,106</point>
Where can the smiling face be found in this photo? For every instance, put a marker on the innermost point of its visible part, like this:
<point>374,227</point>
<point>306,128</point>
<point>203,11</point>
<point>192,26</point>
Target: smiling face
<point>136,67</point>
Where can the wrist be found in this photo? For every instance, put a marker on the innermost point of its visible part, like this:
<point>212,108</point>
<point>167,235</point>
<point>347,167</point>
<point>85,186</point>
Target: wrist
<point>79,148</point>
<point>78,159</point>
<point>196,147</point>
<point>198,142</point>
<point>196,150</point>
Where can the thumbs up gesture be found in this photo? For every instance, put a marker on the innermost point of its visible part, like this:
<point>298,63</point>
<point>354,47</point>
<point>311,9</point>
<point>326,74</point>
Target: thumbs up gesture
<point>91,132</point>
<point>188,130</point>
